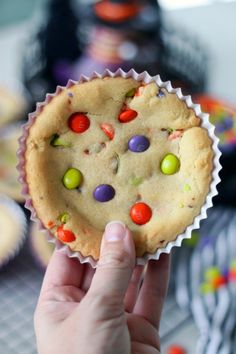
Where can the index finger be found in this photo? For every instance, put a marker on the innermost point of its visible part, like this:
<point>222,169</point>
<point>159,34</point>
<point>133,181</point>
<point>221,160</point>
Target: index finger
<point>153,291</point>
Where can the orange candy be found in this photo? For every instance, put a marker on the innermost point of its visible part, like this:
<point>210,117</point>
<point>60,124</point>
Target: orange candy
<point>127,115</point>
<point>140,213</point>
<point>79,122</point>
<point>65,235</point>
<point>176,349</point>
<point>108,130</point>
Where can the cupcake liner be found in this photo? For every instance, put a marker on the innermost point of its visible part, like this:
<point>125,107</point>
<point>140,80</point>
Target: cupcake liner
<point>145,78</point>
<point>18,215</point>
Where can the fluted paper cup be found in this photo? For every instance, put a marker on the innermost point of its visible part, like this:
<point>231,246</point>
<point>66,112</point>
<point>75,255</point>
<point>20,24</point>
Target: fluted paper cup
<point>144,78</point>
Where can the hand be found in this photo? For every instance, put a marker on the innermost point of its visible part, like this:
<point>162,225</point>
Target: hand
<point>114,310</point>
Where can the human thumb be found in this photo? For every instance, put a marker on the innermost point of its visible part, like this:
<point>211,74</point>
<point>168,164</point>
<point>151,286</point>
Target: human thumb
<point>116,263</point>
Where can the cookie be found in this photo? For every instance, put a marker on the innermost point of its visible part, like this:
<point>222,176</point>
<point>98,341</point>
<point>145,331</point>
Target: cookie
<point>9,184</point>
<point>116,149</point>
<point>13,229</point>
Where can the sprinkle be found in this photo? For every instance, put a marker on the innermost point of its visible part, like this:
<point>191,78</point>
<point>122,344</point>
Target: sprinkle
<point>181,205</point>
<point>70,94</point>
<point>64,218</point>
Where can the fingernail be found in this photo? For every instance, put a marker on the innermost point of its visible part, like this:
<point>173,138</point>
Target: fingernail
<point>115,231</point>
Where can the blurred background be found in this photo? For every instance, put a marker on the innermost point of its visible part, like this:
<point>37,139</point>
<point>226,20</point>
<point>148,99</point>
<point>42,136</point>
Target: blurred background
<point>43,43</point>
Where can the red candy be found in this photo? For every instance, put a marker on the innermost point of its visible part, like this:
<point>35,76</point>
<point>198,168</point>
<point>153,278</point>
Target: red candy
<point>176,349</point>
<point>219,281</point>
<point>232,275</point>
<point>79,122</point>
<point>127,115</point>
<point>108,130</point>
<point>140,213</point>
<point>65,235</point>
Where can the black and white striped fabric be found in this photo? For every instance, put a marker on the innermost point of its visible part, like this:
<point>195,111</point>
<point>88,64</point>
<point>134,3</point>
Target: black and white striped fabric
<point>214,313</point>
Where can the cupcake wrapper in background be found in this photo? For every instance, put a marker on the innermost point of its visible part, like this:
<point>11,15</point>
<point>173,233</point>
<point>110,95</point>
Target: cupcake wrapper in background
<point>145,78</point>
<point>20,223</point>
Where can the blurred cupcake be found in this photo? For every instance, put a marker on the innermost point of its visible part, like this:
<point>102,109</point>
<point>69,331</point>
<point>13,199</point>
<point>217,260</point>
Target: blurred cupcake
<point>13,229</point>
<point>11,107</point>
<point>41,248</point>
<point>9,184</point>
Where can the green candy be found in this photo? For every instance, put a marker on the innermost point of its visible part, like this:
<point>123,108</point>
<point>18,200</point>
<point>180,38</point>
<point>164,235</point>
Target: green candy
<point>187,188</point>
<point>233,264</point>
<point>131,92</point>
<point>170,164</point>
<point>56,141</point>
<point>64,218</point>
<point>72,178</point>
<point>206,288</point>
<point>211,273</point>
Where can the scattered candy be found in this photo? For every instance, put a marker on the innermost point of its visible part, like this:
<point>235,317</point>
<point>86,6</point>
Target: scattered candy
<point>212,273</point>
<point>176,349</point>
<point>79,122</point>
<point>206,288</point>
<point>138,143</point>
<point>127,115</point>
<point>64,218</point>
<point>135,181</point>
<point>219,281</point>
<point>108,130</point>
<point>65,235</point>
<point>56,141</point>
<point>104,193</point>
<point>72,178</point>
<point>140,213</point>
<point>186,188</point>
<point>233,264</point>
<point>232,275</point>
<point>131,93</point>
<point>170,164</point>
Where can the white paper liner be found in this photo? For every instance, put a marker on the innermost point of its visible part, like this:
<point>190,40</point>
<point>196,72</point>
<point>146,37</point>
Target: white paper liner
<point>146,78</point>
<point>17,214</point>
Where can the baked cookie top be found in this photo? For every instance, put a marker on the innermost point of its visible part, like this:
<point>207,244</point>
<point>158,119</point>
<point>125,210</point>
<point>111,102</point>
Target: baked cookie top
<point>117,149</point>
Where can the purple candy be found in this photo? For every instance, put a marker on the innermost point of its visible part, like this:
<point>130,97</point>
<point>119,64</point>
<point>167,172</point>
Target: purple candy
<point>138,143</point>
<point>104,193</point>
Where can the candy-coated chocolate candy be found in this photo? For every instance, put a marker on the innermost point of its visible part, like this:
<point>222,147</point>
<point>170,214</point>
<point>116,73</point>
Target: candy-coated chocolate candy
<point>65,235</point>
<point>212,273</point>
<point>206,288</point>
<point>108,130</point>
<point>56,141</point>
<point>140,213</point>
<point>138,143</point>
<point>104,193</point>
<point>219,281</point>
<point>176,349</point>
<point>233,264</point>
<point>64,218</point>
<point>79,122</point>
<point>131,93</point>
<point>127,115</point>
<point>232,275</point>
<point>170,164</point>
<point>72,178</point>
